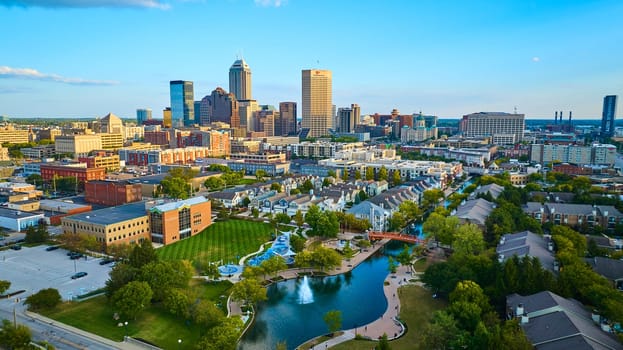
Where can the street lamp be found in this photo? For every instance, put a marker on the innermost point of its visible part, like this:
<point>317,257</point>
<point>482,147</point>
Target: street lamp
<point>126,328</point>
<point>179,343</point>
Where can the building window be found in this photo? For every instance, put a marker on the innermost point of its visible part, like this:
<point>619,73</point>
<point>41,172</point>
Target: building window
<point>184,223</point>
<point>156,222</point>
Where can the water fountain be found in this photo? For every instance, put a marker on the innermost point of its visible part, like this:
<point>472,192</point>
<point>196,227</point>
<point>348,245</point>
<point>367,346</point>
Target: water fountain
<point>305,292</point>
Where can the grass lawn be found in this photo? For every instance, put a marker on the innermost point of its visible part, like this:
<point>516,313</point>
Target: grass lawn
<point>417,306</point>
<point>153,325</point>
<point>223,240</point>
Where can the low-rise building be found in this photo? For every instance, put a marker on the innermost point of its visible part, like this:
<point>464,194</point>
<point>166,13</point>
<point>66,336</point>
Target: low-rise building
<point>553,322</point>
<point>112,192</point>
<point>16,220</point>
<point>102,160</point>
<point>39,152</point>
<point>529,244</point>
<point>173,221</point>
<point>580,216</point>
<point>475,211</point>
<point>82,174</point>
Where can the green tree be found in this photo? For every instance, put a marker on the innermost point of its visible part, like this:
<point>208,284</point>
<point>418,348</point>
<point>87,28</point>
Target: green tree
<point>249,290</point>
<point>333,319</point>
<point>273,264</point>
<point>143,254</point>
<point>432,197</point>
<point>283,218</point>
<point>44,299</point>
<point>312,216</point>
<point>37,235</point>
<point>14,337</point>
<point>404,257</point>
<point>4,286</point>
<point>176,302</point>
<point>297,243</point>
<point>468,240</point>
<point>348,251</point>
<point>325,258</point>
<point>357,174</point>
<point>397,221</point>
<point>441,332</point>
<point>260,174</point>
<point>214,183</point>
<point>369,173</point>
<point>34,179</point>
<point>275,186</point>
<point>307,186</point>
<point>383,343</point>
<point>206,314</point>
<point>440,227</point>
<point>119,276</point>
<point>299,218</point>
<point>345,175</point>
<point>185,173</point>
<point>223,336</point>
<point>255,212</point>
<point>132,298</point>
<point>383,173</point>
<point>175,187</point>
<point>396,179</point>
<point>392,265</point>
<point>163,275</point>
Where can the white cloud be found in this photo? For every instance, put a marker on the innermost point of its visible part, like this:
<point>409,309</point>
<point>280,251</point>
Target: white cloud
<point>536,59</point>
<point>270,3</point>
<point>87,3</point>
<point>29,73</point>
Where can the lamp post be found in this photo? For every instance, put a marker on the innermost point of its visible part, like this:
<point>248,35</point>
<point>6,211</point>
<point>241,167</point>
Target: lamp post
<point>179,343</point>
<point>126,328</point>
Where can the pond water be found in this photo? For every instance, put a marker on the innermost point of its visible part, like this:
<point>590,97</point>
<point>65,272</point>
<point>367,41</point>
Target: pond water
<point>357,294</point>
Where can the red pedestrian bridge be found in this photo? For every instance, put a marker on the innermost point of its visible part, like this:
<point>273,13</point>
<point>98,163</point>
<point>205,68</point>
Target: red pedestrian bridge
<point>376,235</point>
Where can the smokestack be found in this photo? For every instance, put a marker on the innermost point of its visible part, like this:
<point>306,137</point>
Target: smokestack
<point>560,117</point>
<point>570,117</point>
<point>555,117</point>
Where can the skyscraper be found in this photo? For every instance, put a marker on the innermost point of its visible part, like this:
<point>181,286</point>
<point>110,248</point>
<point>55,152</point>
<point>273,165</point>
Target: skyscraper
<point>222,107</point>
<point>240,80</point>
<point>142,115</point>
<point>608,115</point>
<point>503,128</point>
<point>348,118</point>
<point>317,102</point>
<point>182,103</point>
<point>287,119</point>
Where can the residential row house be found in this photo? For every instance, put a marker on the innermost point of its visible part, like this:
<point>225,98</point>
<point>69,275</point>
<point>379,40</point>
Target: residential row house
<point>575,215</point>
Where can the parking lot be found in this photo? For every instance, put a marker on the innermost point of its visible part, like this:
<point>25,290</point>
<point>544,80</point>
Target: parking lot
<point>33,269</point>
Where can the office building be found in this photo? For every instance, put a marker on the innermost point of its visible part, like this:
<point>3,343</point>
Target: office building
<point>50,171</point>
<point>240,80</point>
<point>173,221</point>
<point>142,115</point>
<point>265,119</point>
<point>182,103</point>
<point>222,107</point>
<point>77,145</point>
<point>246,112</point>
<point>348,118</point>
<point>167,118</point>
<point>503,128</point>
<point>111,141</point>
<point>608,116</point>
<point>111,124</point>
<point>317,102</point>
<point>11,135</point>
<point>286,124</point>
<point>48,134</point>
<point>112,193</point>
<point>102,160</point>
<point>597,154</point>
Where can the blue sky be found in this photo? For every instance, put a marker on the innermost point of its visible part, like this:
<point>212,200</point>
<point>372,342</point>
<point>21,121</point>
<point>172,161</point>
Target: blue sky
<point>85,58</point>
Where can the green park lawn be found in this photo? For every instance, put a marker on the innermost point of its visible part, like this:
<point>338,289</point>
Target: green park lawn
<point>153,324</point>
<point>417,306</point>
<point>223,240</point>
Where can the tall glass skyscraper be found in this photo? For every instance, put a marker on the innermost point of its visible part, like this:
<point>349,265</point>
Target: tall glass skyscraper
<point>142,115</point>
<point>182,103</point>
<point>240,80</point>
<point>608,115</point>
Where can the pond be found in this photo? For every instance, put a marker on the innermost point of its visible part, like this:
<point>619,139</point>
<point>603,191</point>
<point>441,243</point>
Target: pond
<point>285,317</point>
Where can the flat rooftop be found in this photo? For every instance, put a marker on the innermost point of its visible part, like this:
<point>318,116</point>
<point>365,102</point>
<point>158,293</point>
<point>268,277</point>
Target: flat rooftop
<point>112,215</point>
<point>12,213</point>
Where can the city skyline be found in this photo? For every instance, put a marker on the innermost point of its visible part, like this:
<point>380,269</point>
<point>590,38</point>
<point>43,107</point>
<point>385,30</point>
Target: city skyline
<point>444,58</point>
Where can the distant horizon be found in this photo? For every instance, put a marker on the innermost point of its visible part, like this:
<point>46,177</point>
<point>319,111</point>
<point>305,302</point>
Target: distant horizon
<point>445,58</point>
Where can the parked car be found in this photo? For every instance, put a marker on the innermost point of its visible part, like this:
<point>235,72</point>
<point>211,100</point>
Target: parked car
<point>106,261</point>
<point>16,247</point>
<point>75,256</point>
<point>78,275</point>
<point>51,248</point>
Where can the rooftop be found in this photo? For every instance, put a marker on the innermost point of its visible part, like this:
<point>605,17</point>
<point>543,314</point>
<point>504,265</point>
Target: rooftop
<point>179,204</point>
<point>12,213</point>
<point>112,215</point>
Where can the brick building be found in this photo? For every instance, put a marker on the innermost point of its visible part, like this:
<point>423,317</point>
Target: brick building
<point>173,221</point>
<point>112,192</point>
<point>48,171</point>
<point>102,160</point>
